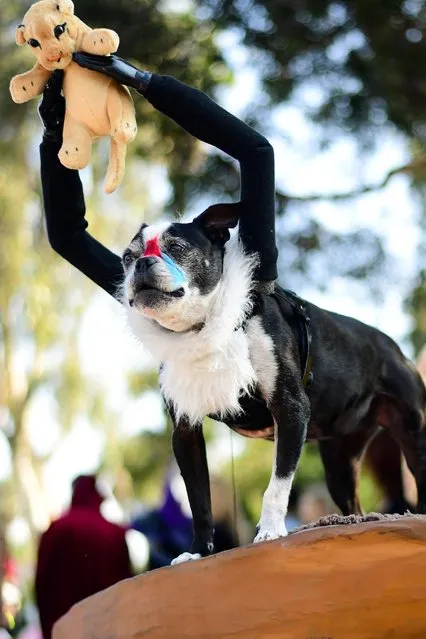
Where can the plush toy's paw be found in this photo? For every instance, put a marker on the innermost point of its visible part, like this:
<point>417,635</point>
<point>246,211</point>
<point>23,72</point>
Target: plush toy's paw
<point>74,155</point>
<point>101,41</point>
<point>126,131</point>
<point>21,89</point>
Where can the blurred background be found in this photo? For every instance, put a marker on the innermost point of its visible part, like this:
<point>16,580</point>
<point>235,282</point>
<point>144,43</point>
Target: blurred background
<point>339,88</point>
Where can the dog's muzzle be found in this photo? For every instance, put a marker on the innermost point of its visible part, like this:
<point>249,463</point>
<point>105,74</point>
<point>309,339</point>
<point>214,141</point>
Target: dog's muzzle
<point>153,275</point>
<point>142,266</point>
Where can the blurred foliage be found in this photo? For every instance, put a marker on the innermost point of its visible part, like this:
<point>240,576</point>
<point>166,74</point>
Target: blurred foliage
<point>416,305</point>
<point>362,56</point>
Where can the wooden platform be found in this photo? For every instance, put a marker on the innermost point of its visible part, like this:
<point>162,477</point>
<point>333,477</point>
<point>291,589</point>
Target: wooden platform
<point>358,581</point>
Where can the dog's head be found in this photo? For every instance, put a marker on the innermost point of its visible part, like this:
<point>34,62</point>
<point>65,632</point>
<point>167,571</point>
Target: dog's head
<point>173,270</point>
<point>48,28</point>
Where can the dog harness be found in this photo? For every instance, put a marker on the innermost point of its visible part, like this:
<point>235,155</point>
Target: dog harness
<point>303,327</point>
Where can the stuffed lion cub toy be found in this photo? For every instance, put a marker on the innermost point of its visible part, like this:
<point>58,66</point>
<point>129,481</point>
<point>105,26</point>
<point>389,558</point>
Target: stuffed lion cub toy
<point>96,105</point>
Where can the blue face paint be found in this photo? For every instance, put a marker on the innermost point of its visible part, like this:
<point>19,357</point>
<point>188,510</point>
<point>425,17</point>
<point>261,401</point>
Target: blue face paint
<point>178,276</point>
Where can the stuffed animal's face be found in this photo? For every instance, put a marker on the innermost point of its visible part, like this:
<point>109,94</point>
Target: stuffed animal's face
<point>49,30</point>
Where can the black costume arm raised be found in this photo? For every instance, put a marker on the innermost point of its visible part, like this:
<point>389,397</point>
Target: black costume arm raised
<point>66,224</point>
<point>64,200</point>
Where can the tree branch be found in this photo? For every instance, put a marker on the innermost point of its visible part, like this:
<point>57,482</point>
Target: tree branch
<point>412,167</point>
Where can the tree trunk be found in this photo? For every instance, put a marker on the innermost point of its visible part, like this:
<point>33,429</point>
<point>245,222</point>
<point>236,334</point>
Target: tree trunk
<point>28,485</point>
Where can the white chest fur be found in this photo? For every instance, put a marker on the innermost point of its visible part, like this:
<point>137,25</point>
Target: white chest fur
<point>205,372</point>
<point>203,381</point>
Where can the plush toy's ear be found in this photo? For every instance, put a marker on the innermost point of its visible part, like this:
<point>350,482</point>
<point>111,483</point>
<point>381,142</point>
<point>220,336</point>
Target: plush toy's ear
<point>218,219</point>
<point>64,6</point>
<point>19,35</point>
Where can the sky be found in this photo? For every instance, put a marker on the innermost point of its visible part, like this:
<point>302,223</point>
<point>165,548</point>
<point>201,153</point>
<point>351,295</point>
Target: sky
<point>106,347</point>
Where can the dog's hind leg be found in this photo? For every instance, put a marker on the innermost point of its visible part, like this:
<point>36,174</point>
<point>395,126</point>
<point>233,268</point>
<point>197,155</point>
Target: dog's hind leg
<point>291,416</point>
<point>383,458</point>
<point>402,410</point>
<point>409,430</point>
<point>190,452</point>
<point>341,457</point>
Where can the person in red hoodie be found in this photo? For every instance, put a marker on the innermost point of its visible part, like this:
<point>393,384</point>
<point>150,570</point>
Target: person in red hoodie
<point>80,554</point>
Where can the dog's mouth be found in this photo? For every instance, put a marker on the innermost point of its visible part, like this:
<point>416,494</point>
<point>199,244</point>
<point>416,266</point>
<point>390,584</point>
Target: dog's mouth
<point>146,290</point>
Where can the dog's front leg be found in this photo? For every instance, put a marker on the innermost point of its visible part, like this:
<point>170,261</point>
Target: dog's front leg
<point>291,417</point>
<point>190,451</point>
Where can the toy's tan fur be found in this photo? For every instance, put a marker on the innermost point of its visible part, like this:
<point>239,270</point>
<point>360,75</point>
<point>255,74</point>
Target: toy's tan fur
<point>96,105</point>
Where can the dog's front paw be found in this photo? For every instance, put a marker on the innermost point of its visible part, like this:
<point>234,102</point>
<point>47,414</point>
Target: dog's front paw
<point>267,535</point>
<point>185,556</point>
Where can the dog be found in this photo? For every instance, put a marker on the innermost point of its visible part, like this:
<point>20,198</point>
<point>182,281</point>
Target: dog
<point>269,366</point>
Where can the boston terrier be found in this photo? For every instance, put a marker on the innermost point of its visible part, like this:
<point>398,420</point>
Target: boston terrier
<point>271,366</point>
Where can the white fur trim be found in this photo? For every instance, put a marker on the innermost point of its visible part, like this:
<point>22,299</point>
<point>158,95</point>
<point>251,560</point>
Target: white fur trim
<point>205,372</point>
<point>154,230</point>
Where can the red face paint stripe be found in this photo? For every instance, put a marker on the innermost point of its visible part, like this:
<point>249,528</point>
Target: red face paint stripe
<point>152,248</point>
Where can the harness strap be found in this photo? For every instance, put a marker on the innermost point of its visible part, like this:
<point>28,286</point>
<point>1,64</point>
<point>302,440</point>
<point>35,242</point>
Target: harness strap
<point>305,333</point>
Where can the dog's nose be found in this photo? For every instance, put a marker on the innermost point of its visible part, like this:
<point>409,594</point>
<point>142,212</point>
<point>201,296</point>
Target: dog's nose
<point>144,263</point>
<point>149,261</point>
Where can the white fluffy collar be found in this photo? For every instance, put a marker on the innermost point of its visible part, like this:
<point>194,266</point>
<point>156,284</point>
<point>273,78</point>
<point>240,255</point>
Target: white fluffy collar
<point>230,305</point>
<point>205,371</point>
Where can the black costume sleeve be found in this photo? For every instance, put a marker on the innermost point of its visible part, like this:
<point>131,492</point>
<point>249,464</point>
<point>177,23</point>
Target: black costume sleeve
<point>66,224</point>
<point>195,112</point>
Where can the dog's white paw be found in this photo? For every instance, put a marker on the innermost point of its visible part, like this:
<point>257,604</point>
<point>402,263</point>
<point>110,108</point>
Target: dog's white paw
<point>185,556</point>
<point>267,535</point>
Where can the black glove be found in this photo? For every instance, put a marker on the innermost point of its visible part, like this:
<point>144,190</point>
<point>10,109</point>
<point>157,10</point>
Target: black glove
<point>52,108</point>
<point>116,68</point>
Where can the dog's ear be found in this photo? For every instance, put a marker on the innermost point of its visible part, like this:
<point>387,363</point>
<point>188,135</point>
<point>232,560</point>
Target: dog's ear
<point>19,35</point>
<point>218,219</point>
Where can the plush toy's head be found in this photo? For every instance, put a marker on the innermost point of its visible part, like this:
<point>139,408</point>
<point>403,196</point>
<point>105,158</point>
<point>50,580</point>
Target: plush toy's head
<point>47,28</point>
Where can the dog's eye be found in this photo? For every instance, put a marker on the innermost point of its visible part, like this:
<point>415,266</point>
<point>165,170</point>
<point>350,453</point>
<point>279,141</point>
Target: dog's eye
<point>128,258</point>
<point>33,43</point>
<point>59,30</point>
<point>175,248</point>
